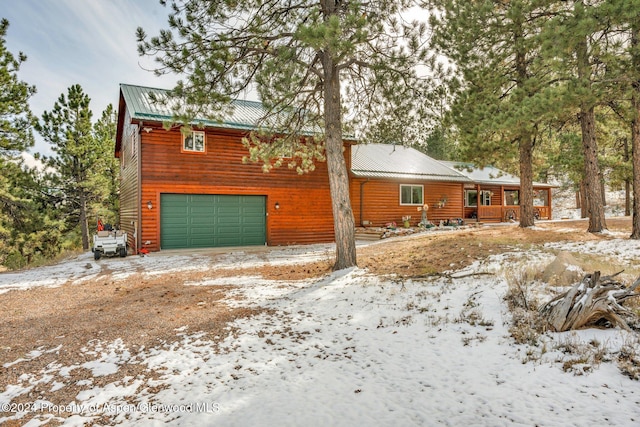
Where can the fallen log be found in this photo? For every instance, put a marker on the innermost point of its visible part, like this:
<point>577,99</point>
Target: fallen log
<point>595,301</point>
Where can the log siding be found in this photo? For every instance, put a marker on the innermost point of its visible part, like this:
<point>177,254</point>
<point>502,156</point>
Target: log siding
<point>376,202</point>
<point>304,214</point>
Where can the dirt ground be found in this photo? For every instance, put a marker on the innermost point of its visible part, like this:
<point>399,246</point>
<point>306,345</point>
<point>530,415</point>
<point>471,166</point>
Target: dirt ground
<point>145,312</point>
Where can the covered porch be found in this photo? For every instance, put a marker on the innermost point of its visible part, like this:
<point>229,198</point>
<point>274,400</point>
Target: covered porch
<point>484,203</point>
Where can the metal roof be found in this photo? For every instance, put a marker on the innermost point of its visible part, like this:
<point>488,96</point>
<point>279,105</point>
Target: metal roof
<point>244,115</point>
<point>488,174</point>
<point>399,162</point>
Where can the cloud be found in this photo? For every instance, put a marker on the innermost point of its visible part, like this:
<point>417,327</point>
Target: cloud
<point>86,42</point>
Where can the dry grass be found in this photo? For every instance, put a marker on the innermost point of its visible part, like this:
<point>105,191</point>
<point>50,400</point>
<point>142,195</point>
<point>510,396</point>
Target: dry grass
<point>526,323</point>
<point>435,253</point>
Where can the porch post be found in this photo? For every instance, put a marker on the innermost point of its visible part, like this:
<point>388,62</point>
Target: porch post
<point>477,202</point>
<point>502,203</point>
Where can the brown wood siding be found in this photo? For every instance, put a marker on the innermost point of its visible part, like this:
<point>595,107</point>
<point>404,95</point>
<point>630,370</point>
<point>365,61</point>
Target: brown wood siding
<point>381,201</point>
<point>129,183</point>
<point>304,215</point>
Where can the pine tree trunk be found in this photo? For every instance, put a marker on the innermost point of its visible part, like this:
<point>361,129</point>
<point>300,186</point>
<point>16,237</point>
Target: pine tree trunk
<point>587,119</point>
<point>584,203</point>
<point>592,187</point>
<point>635,154</point>
<point>635,134</point>
<point>526,182</point>
<point>627,182</point>
<point>343,220</point>
<point>526,139</point>
<point>627,197</point>
<point>84,224</point>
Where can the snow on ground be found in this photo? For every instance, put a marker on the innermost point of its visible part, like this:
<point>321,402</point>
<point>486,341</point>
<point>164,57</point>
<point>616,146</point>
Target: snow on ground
<point>83,267</point>
<point>564,202</point>
<point>348,349</point>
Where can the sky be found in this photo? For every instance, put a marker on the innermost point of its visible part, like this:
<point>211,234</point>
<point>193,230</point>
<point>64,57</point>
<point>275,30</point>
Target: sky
<point>87,42</point>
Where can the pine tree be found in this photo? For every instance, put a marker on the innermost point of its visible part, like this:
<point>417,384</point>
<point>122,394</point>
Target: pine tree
<point>576,50</point>
<point>104,132</point>
<point>500,81</point>
<point>16,120</point>
<point>310,61</point>
<point>18,218</point>
<point>619,55</point>
<point>627,11</point>
<point>67,127</point>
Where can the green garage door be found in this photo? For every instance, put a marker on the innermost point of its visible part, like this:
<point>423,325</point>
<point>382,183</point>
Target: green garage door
<point>207,221</point>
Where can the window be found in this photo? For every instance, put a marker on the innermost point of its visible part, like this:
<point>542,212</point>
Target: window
<point>411,195</point>
<point>193,142</point>
<point>135,138</point>
<point>486,198</point>
<point>470,198</point>
<point>511,197</point>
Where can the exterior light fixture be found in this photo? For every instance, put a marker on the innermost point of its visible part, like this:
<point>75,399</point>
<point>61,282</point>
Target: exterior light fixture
<point>149,205</point>
<point>277,205</point>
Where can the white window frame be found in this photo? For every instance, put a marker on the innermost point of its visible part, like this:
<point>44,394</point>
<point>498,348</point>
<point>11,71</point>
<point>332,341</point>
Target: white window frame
<point>485,197</point>
<point>196,134</point>
<point>420,203</point>
<point>466,198</point>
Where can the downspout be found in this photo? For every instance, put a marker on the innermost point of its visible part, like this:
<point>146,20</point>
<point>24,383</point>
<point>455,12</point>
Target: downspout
<point>362,202</point>
<point>138,225</point>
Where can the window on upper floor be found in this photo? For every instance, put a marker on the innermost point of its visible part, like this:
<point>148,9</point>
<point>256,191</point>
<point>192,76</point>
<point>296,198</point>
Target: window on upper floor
<point>135,140</point>
<point>193,142</point>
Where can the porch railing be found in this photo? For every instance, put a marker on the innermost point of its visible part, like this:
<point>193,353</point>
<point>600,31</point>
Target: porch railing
<point>506,213</point>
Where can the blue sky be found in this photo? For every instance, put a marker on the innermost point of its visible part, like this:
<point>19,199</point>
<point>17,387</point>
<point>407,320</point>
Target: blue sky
<point>86,42</point>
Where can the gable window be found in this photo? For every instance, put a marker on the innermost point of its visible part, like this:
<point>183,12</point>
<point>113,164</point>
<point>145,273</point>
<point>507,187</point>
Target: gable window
<point>411,194</point>
<point>194,142</point>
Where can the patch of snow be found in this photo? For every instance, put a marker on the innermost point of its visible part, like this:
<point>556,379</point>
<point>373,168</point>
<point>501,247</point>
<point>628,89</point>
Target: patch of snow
<point>348,349</point>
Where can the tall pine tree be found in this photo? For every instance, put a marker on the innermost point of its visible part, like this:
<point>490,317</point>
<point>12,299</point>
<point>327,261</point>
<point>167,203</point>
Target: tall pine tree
<point>576,41</point>
<point>18,218</point>
<point>16,120</point>
<point>67,127</point>
<point>500,81</point>
<point>310,61</point>
<point>108,166</point>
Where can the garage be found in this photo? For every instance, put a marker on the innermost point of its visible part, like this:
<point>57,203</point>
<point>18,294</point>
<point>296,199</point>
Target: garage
<point>207,221</point>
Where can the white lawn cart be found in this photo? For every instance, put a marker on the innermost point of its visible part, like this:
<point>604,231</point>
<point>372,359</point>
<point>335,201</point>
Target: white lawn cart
<point>109,243</point>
